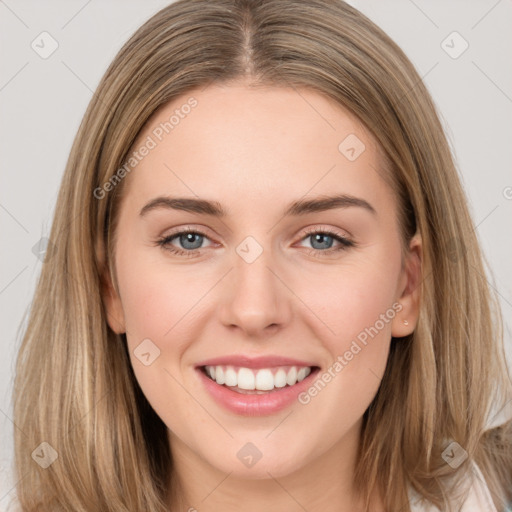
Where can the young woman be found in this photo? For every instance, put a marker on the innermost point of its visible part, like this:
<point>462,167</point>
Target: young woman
<point>266,290</point>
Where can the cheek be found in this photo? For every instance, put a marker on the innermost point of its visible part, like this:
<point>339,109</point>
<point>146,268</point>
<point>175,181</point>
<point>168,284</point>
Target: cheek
<point>349,300</point>
<point>355,312</point>
<point>158,306</point>
<point>156,298</point>
<point>165,304</point>
<point>340,302</point>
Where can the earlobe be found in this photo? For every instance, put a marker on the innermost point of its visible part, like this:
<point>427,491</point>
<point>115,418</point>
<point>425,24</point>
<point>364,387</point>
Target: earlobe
<point>112,303</point>
<point>405,321</point>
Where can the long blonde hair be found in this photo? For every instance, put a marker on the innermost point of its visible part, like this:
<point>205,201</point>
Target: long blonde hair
<point>74,385</point>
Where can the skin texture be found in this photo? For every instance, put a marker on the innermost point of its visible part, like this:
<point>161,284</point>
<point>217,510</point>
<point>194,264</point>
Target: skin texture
<point>255,150</point>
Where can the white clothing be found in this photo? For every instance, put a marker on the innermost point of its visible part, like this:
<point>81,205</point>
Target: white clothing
<point>478,498</point>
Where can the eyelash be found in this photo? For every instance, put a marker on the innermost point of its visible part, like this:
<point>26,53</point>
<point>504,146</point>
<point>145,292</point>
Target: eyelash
<point>344,242</point>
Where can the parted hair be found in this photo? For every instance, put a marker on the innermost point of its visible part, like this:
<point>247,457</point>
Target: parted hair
<point>74,385</point>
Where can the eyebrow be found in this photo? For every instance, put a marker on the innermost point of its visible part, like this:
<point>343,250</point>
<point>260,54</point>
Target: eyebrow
<point>300,207</point>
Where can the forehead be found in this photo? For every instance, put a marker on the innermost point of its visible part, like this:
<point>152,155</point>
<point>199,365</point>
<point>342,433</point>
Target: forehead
<point>255,147</point>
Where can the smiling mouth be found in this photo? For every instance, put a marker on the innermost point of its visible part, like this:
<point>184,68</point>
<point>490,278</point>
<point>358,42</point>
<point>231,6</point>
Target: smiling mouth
<point>257,381</point>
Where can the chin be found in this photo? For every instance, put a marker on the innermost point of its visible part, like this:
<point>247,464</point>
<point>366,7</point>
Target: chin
<point>259,469</point>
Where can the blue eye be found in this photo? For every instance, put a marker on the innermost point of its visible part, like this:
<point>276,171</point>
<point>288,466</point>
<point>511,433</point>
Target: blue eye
<point>325,239</point>
<point>192,240</point>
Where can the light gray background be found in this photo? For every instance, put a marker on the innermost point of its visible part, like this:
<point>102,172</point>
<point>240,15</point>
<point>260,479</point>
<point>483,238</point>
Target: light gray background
<point>42,102</point>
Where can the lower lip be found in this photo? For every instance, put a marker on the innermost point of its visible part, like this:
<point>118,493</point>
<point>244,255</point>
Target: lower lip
<point>253,404</point>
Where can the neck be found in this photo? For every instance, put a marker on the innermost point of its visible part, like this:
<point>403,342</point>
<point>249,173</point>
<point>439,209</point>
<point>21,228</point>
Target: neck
<point>324,483</point>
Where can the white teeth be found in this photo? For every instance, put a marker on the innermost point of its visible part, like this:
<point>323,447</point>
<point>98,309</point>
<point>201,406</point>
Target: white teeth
<point>219,375</point>
<point>301,375</point>
<point>230,377</point>
<point>280,378</point>
<point>245,379</point>
<point>291,377</point>
<point>264,379</point>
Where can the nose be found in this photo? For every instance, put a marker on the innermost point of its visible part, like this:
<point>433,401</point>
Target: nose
<point>255,300</point>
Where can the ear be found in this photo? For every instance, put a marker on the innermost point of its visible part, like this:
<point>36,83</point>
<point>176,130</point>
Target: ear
<point>409,291</point>
<point>112,303</point>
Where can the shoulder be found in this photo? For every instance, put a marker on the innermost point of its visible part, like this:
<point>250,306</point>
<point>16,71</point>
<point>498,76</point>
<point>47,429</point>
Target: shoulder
<point>477,499</point>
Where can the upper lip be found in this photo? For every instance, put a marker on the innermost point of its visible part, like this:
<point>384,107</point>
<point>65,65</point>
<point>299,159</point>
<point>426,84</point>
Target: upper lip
<point>254,362</point>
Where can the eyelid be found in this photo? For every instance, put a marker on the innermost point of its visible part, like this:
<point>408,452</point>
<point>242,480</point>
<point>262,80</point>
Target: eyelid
<point>186,229</point>
<point>345,241</point>
<point>311,230</point>
<point>164,241</point>
<point>308,230</point>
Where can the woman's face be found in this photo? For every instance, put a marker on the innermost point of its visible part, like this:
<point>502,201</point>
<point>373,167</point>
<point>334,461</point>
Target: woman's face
<point>284,278</point>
